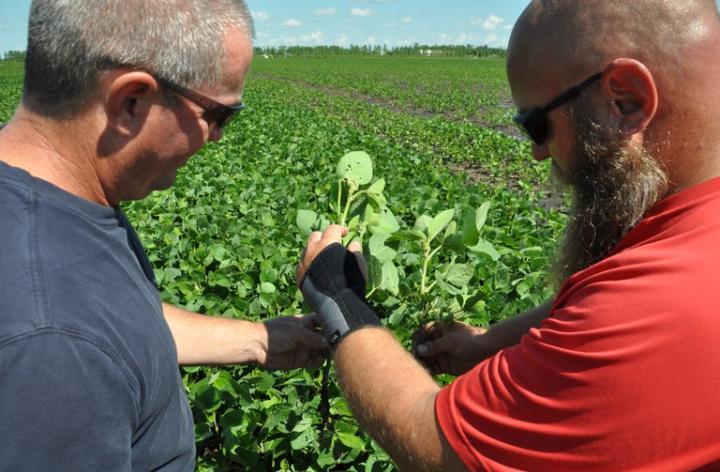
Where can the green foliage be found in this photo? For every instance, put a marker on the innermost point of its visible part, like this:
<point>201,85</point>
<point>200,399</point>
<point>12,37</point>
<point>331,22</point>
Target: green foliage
<point>224,239</point>
<point>381,50</point>
<point>18,56</point>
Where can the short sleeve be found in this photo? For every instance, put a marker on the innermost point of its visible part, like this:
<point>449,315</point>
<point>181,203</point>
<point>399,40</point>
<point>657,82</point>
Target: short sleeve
<point>595,387</point>
<point>548,403</point>
<point>66,405</point>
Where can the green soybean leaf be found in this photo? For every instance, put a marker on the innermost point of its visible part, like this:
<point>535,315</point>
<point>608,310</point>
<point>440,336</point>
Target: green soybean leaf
<point>357,167</point>
<point>422,222</point>
<point>267,287</point>
<point>306,220</point>
<point>385,254</point>
<point>216,279</point>
<point>376,272</point>
<point>378,187</point>
<point>485,247</point>
<point>384,222</point>
<point>390,278</point>
<point>376,200</point>
<point>350,440</point>
<point>481,215</point>
<point>459,275</point>
<point>354,223</point>
<point>377,242</point>
<point>470,233</point>
<point>407,235</point>
<point>455,244</point>
<point>303,440</point>
<point>450,230</point>
<point>439,223</point>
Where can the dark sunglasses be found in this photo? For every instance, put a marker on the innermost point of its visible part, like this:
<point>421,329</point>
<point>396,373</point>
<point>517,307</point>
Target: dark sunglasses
<point>534,123</point>
<point>214,112</point>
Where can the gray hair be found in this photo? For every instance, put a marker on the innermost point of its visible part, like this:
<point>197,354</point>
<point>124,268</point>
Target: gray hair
<point>70,42</point>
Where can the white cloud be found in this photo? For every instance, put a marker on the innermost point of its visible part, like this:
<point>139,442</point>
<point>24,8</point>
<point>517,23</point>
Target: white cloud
<point>330,11</point>
<point>490,39</point>
<point>343,40</point>
<point>490,23</point>
<point>361,12</point>
<point>260,15</point>
<point>371,41</point>
<point>291,23</point>
<point>313,39</point>
<point>406,19</point>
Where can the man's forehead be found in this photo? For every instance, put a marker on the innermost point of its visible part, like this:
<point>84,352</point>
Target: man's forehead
<point>238,57</point>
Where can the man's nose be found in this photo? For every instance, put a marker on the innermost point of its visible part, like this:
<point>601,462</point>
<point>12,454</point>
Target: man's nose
<point>540,152</point>
<point>216,133</point>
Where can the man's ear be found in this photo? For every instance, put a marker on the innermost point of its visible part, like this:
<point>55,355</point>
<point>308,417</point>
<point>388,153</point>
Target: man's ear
<point>631,88</point>
<point>129,98</point>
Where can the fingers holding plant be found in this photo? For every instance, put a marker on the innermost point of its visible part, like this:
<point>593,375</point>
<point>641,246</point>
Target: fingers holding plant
<point>292,343</point>
<point>450,347</point>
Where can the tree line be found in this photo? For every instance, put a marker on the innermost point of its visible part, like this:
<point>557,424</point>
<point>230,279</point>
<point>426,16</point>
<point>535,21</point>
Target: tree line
<point>14,56</point>
<point>375,50</point>
<point>381,50</point>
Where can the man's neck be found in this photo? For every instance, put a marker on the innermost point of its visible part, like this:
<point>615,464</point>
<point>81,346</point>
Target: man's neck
<point>693,164</point>
<point>51,151</point>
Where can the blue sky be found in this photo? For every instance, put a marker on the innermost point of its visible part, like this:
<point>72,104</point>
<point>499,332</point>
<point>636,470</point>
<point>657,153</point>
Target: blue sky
<point>345,22</point>
<point>389,22</point>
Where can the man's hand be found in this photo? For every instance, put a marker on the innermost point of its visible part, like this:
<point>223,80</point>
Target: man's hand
<point>292,343</point>
<point>318,241</point>
<point>451,348</point>
<point>332,279</point>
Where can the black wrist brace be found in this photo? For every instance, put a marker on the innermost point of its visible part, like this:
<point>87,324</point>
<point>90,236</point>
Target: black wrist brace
<point>334,288</point>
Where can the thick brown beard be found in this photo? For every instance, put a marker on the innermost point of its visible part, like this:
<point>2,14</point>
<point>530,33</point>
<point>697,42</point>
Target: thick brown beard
<point>613,185</point>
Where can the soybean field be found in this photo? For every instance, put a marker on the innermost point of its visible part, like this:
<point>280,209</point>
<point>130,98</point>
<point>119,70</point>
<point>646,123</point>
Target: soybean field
<point>456,218</point>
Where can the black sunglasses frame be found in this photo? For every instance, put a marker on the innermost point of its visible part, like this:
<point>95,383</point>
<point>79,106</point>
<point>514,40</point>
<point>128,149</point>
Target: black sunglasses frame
<point>213,111</point>
<point>534,122</point>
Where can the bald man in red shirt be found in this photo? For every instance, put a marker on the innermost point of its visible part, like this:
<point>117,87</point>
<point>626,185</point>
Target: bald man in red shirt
<point>619,371</point>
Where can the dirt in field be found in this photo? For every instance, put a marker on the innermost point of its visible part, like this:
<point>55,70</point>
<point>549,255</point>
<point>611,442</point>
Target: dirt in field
<point>405,109</point>
<point>475,172</point>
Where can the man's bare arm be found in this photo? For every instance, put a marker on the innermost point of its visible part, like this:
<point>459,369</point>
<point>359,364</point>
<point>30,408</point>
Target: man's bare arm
<point>393,398</point>
<point>509,331</point>
<point>280,343</point>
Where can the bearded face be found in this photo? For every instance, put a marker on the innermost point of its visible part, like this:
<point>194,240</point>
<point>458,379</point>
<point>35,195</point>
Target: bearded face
<point>613,184</point>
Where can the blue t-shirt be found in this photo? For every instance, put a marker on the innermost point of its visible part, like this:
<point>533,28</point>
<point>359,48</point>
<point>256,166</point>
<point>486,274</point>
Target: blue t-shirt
<point>89,377</point>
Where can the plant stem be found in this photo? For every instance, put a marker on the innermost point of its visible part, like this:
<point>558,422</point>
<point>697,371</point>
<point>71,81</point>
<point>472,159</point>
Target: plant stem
<point>426,261</point>
<point>339,198</point>
<point>350,197</point>
<point>325,397</point>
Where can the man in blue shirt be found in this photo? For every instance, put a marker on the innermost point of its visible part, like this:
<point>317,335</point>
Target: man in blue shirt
<point>118,95</point>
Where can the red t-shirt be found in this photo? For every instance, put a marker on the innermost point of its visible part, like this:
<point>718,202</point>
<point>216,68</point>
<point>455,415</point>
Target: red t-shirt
<point>624,374</point>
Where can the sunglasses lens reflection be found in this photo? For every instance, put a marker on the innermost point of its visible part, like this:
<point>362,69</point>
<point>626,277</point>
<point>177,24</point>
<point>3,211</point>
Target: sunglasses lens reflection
<point>537,127</point>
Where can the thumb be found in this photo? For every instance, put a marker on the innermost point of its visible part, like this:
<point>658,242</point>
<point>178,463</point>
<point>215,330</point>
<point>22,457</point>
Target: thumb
<point>435,347</point>
<point>355,246</point>
<point>356,249</point>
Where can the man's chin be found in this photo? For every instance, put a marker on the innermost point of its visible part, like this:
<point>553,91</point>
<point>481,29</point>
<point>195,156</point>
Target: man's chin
<point>167,181</point>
